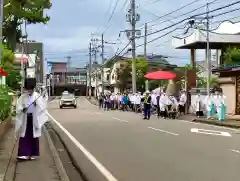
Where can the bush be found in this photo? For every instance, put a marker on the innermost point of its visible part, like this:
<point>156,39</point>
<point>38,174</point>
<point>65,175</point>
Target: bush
<point>5,103</point>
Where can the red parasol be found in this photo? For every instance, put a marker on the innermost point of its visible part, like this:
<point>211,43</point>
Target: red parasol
<point>3,73</point>
<point>160,75</point>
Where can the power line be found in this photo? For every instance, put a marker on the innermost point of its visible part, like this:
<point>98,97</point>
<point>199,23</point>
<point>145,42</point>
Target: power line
<point>159,37</point>
<point>217,9</point>
<point>160,17</point>
<point>111,16</point>
<point>226,12</point>
<point>194,16</point>
<point>229,19</point>
<point>181,15</point>
<point>223,13</point>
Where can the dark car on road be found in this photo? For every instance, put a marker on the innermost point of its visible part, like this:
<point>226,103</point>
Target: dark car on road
<point>68,100</point>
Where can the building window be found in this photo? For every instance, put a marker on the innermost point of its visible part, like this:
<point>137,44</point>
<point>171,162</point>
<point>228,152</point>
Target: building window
<point>108,76</point>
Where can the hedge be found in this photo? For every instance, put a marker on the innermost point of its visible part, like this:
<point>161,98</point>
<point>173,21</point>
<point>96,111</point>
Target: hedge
<point>5,103</point>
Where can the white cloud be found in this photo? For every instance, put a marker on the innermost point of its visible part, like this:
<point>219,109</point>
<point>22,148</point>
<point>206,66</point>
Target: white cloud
<point>73,21</point>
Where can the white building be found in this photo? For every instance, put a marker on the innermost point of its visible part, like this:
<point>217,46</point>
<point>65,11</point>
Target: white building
<point>29,59</point>
<point>96,81</point>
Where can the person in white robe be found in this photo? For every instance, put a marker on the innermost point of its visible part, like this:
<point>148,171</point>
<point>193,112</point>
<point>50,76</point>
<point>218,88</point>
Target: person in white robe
<point>210,105</point>
<point>163,103</point>
<point>30,117</point>
<point>154,100</point>
<point>173,106</point>
<point>218,99</point>
<point>137,102</point>
<point>182,102</point>
<point>44,94</point>
<point>198,105</point>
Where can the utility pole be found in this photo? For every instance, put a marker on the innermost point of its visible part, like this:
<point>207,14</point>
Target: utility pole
<point>102,68</point>
<point>96,70</point>
<point>145,53</point>
<point>209,63</point>
<point>22,69</point>
<point>90,70</point>
<point>133,23</point>
<point>68,61</point>
<point>1,19</point>
<point>53,82</point>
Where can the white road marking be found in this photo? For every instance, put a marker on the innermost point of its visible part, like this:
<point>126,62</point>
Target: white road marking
<point>210,132</point>
<point>155,129</point>
<point>209,125</point>
<point>120,119</point>
<point>90,157</point>
<point>236,151</point>
<point>98,113</point>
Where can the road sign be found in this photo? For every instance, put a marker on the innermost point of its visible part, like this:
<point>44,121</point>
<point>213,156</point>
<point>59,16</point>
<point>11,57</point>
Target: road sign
<point>210,132</point>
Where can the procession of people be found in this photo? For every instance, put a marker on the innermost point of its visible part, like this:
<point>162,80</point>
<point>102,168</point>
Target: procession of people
<point>165,105</point>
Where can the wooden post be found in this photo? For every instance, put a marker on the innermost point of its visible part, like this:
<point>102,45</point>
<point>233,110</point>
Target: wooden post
<point>193,57</point>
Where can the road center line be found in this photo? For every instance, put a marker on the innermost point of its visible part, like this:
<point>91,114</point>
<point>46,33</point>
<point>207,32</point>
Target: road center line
<point>120,119</point>
<point>155,129</point>
<point>90,157</point>
<point>236,151</point>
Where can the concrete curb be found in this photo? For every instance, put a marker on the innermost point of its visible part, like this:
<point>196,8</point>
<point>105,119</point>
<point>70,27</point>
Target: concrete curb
<point>95,104</point>
<point>216,123</point>
<point>61,171</point>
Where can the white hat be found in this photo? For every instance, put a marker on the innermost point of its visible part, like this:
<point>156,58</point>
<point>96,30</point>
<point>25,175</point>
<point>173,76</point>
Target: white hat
<point>147,92</point>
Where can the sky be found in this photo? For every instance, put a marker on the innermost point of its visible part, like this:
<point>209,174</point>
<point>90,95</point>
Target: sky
<point>74,22</point>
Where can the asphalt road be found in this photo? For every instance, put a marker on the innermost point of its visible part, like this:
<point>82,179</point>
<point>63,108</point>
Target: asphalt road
<point>133,149</point>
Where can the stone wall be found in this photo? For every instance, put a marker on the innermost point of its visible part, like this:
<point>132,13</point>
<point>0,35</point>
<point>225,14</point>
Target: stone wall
<point>238,95</point>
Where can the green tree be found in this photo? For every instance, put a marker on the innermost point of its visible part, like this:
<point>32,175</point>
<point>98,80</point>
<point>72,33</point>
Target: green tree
<point>7,62</point>
<point>17,11</point>
<point>141,70</point>
<point>5,103</point>
<point>124,73</point>
<point>231,56</point>
<point>200,80</point>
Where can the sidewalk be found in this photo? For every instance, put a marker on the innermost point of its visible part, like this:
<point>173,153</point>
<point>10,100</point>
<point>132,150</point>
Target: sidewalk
<point>230,122</point>
<point>41,169</point>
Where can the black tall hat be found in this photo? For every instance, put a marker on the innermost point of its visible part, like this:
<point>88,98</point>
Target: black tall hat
<point>30,83</point>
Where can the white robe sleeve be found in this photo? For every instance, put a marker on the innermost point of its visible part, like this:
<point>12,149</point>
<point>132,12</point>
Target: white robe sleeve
<point>19,114</point>
<point>41,109</point>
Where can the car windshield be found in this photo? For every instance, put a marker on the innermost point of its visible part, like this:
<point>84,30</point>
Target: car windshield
<point>67,96</point>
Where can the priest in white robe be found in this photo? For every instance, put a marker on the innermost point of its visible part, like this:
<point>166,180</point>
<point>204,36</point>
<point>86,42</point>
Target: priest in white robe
<point>30,117</point>
<point>163,103</point>
<point>182,102</point>
<point>199,105</point>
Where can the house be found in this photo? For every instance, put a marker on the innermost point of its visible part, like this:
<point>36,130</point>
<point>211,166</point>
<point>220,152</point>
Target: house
<point>203,68</point>
<point>96,80</point>
<point>33,47</point>
<point>155,62</point>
